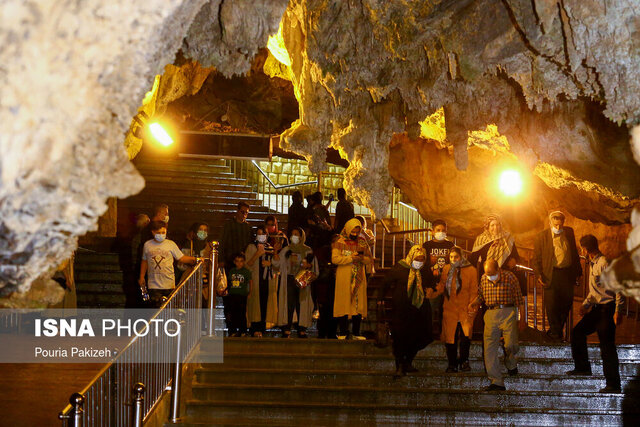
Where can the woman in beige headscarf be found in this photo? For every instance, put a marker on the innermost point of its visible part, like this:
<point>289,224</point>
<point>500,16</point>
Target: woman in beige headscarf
<point>411,315</point>
<point>351,254</point>
<point>494,243</point>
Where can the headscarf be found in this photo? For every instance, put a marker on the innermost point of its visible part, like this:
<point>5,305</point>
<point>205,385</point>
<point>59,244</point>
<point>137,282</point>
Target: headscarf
<point>501,251</point>
<point>454,272</point>
<point>414,284</point>
<point>299,248</point>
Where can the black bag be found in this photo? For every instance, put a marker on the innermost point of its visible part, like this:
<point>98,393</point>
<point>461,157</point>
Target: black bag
<point>383,332</point>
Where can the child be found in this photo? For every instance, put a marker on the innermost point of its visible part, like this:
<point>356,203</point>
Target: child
<point>157,262</point>
<point>239,289</point>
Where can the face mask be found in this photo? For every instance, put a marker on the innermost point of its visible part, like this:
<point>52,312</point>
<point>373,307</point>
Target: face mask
<point>159,237</point>
<point>295,239</point>
<point>556,230</point>
<point>493,278</point>
<point>417,264</point>
<point>202,235</point>
<point>166,219</point>
<point>440,235</point>
<point>261,238</point>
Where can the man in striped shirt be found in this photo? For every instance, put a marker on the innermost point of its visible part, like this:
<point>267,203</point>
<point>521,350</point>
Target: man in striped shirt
<point>500,292</point>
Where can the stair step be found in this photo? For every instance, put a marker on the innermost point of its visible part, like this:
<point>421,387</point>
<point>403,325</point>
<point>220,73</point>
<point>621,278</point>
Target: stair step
<point>155,168</point>
<point>379,414</point>
<point>114,288</point>
<point>96,276</point>
<point>188,180</point>
<point>85,257</point>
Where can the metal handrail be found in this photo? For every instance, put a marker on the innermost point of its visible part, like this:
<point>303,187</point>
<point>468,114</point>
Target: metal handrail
<point>107,393</point>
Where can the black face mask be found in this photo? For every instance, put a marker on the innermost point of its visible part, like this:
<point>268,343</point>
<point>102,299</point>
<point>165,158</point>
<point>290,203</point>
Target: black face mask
<point>352,237</point>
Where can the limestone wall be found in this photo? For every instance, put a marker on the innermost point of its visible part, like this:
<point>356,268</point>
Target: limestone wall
<point>289,171</point>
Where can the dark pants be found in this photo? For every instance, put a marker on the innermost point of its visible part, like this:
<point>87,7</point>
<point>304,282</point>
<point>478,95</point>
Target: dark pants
<point>558,299</point>
<point>324,288</point>
<point>343,322</point>
<point>157,296</point>
<point>293,303</point>
<point>452,349</point>
<point>237,307</point>
<point>600,320</point>
<point>263,289</point>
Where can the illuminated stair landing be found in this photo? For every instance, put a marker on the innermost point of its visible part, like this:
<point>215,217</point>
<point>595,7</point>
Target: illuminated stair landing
<point>273,381</point>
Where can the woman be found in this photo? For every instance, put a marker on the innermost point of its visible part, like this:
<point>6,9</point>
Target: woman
<point>411,315</point>
<point>195,244</point>
<point>459,284</point>
<point>494,243</point>
<point>262,305</point>
<point>292,299</point>
<point>351,254</point>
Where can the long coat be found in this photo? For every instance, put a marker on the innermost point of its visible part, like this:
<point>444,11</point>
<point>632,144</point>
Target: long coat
<point>410,326</point>
<point>543,255</point>
<point>253,302</point>
<point>455,306</point>
<point>306,302</point>
<point>345,303</point>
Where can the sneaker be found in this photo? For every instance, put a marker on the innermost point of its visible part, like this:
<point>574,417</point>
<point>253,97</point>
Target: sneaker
<point>359,338</point>
<point>579,372</point>
<point>512,372</point>
<point>494,387</point>
<point>342,337</point>
<point>464,367</point>
<point>610,389</point>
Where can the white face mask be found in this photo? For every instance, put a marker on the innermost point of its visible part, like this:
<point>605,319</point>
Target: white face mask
<point>261,238</point>
<point>417,264</point>
<point>159,237</point>
<point>202,235</point>
<point>556,230</point>
<point>493,278</point>
<point>295,239</point>
<point>440,235</point>
<point>166,219</point>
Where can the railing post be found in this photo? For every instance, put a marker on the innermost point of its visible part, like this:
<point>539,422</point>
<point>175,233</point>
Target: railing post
<point>212,289</point>
<point>535,305</point>
<point>75,416</point>
<point>176,372</point>
<point>138,404</point>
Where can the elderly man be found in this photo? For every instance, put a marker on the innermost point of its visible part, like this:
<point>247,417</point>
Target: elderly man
<point>556,264</point>
<point>500,291</point>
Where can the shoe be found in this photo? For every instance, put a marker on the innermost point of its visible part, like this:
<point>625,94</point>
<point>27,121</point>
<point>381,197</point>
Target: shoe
<point>610,389</point>
<point>464,367</point>
<point>512,372</point>
<point>257,334</point>
<point>286,334</point>
<point>554,335</point>
<point>342,337</point>
<point>409,369</point>
<point>494,387</point>
<point>451,370</point>
<point>235,334</point>
<point>579,372</point>
<point>399,373</point>
<point>359,338</point>
<point>302,334</point>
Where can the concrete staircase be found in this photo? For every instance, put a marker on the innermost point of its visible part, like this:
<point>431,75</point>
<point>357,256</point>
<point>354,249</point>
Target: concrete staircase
<point>312,382</point>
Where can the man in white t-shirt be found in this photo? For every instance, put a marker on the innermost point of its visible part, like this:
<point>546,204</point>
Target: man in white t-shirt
<point>158,255</point>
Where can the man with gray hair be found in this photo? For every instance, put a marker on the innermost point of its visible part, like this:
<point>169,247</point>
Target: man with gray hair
<point>556,264</point>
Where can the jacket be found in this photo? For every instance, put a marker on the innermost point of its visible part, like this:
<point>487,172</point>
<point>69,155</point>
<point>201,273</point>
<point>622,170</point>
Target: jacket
<point>543,255</point>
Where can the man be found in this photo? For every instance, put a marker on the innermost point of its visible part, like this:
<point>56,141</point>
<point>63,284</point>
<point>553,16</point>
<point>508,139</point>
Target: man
<point>236,235</point>
<point>437,250</point>
<point>344,211</point>
<point>160,213</point>
<point>157,262</point>
<point>297,216</point>
<point>602,313</point>
<point>499,290</point>
<point>556,264</point>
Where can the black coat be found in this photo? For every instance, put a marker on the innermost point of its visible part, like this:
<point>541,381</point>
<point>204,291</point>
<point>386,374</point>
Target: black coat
<point>410,326</point>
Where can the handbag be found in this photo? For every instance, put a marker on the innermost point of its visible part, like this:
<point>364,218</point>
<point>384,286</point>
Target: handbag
<point>221,283</point>
<point>383,331</point>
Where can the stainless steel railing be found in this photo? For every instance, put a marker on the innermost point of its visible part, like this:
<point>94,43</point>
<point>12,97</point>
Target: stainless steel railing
<point>114,396</point>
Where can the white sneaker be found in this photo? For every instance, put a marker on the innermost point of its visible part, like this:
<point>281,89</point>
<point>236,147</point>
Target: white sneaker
<point>342,337</point>
<point>359,338</point>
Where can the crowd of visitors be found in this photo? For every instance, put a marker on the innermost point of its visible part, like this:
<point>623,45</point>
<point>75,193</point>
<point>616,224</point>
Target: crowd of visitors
<point>319,268</point>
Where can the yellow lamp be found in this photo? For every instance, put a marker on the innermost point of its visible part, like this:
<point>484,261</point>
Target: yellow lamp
<point>511,183</point>
<point>160,134</point>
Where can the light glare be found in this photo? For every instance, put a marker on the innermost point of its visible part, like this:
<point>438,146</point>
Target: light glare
<point>511,183</point>
<point>160,134</point>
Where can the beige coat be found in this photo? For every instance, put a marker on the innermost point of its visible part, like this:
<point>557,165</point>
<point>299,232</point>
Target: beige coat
<point>345,302</point>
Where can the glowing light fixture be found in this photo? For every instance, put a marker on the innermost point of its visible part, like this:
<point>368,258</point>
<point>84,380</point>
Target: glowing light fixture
<point>278,49</point>
<point>160,134</point>
<point>511,183</point>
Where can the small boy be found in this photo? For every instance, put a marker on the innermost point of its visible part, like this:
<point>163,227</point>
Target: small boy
<point>239,287</point>
<point>157,262</point>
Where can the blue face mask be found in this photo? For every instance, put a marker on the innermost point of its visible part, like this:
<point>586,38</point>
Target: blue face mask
<point>493,278</point>
<point>160,237</point>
